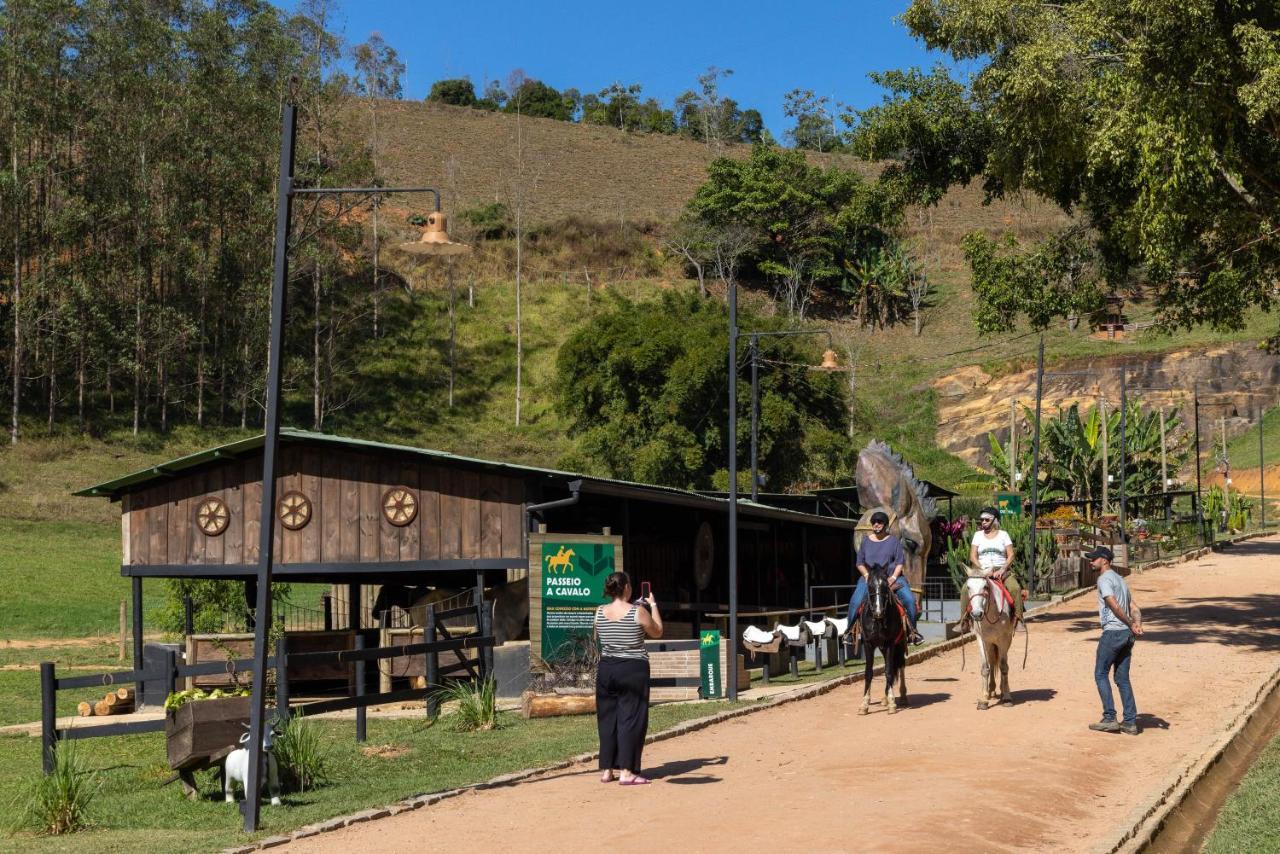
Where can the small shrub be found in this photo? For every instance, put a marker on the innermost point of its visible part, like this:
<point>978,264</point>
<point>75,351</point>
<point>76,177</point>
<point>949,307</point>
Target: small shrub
<point>477,705</point>
<point>59,802</point>
<point>302,756</point>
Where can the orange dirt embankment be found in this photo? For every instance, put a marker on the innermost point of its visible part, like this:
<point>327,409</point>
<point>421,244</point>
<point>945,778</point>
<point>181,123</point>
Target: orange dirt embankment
<point>812,775</point>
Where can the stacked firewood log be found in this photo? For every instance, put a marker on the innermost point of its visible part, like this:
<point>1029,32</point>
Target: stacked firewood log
<point>117,702</point>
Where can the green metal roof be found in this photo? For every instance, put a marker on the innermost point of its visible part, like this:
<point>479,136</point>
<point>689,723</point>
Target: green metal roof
<point>114,488</point>
<point>145,476</point>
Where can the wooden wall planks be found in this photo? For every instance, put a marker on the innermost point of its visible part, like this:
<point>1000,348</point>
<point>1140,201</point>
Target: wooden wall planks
<point>463,513</point>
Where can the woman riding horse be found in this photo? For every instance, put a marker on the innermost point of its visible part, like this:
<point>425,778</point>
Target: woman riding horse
<point>880,548</point>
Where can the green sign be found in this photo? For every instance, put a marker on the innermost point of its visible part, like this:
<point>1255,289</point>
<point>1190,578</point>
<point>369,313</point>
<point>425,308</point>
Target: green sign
<point>573,576</point>
<point>709,665</point>
<point>1009,503</point>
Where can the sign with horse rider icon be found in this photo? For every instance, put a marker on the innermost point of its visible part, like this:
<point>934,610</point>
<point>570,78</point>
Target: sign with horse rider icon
<point>566,585</point>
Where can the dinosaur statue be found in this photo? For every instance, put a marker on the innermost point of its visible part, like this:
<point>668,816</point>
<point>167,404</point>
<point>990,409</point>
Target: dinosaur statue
<point>886,482</point>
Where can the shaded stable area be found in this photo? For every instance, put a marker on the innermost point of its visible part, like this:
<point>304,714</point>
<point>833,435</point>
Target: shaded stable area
<point>387,524</point>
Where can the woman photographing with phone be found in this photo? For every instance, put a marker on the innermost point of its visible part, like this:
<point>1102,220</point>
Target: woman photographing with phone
<point>622,679</point>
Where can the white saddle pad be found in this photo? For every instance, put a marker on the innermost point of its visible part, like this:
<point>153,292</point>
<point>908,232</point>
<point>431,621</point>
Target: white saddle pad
<point>818,629</point>
<point>791,633</point>
<point>754,634</point>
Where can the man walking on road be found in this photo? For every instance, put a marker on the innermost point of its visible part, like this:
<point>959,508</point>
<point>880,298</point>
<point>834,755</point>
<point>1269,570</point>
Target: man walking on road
<point>1121,624</point>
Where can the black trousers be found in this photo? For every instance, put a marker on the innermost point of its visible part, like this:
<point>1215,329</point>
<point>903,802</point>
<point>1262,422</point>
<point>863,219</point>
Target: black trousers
<point>622,712</point>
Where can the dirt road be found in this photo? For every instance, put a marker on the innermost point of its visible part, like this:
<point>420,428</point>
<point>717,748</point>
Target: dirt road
<point>813,776</point>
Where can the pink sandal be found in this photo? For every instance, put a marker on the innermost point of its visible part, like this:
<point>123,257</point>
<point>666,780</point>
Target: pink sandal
<point>634,781</point>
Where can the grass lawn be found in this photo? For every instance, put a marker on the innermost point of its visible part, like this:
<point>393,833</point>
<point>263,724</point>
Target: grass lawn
<point>1250,820</point>
<point>133,812</point>
<point>62,580</point>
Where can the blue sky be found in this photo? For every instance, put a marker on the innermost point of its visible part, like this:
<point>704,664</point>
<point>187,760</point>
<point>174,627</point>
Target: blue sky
<point>772,47</point>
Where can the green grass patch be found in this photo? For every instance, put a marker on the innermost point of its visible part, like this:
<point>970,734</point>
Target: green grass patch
<point>62,580</point>
<point>133,811</point>
<point>1249,820</point>
<point>1243,449</point>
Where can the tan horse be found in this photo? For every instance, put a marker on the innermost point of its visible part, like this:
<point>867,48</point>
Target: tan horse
<point>561,560</point>
<point>990,613</point>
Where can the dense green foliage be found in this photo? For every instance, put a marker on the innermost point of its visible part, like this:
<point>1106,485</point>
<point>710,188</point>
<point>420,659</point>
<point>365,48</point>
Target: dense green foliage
<point>1071,446</point>
<point>700,114</point>
<point>1154,122</point>
<point>813,231</point>
<point>644,388</point>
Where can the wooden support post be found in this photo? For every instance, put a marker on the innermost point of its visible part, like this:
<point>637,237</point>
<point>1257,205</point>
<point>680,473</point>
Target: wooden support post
<point>124,630</point>
<point>326,601</point>
<point>795,665</point>
<point>251,603</point>
<point>188,616</point>
<point>817,655</point>
<point>282,680</point>
<point>48,715</point>
<point>136,585</point>
<point>353,607</point>
<point>170,675</point>
<point>478,601</point>
<point>360,710</point>
<point>433,664</point>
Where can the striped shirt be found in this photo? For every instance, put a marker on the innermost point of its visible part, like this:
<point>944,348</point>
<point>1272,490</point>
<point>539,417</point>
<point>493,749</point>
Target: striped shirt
<point>621,638</point>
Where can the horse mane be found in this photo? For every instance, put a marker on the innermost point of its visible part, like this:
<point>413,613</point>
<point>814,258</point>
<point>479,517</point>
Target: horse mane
<point>927,504</point>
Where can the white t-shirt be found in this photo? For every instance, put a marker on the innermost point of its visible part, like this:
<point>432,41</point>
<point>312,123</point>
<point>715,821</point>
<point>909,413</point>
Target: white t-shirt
<point>991,554</point>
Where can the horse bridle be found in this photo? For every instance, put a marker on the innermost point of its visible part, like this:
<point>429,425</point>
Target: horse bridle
<point>987,583</point>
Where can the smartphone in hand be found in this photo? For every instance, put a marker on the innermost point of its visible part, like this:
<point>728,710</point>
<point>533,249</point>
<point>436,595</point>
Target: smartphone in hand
<point>643,601</point>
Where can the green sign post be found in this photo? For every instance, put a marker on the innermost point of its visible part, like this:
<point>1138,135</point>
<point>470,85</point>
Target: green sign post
<point>573,576</point>
<point>1009,503</point>
<point>709,665</point>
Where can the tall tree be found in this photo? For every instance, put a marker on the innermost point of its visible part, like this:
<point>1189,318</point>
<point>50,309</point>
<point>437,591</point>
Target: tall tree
<point>1156,123</point>
<point>378,72</point>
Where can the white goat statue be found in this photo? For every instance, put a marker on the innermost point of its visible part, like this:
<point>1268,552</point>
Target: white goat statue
<point>237,769</point>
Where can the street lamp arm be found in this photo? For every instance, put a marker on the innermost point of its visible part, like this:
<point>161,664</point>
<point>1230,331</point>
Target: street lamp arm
<point>374,191</point>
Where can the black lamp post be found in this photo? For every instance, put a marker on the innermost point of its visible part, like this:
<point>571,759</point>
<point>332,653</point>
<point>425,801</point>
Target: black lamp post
<point>435,240</point>
<point>829,363</point>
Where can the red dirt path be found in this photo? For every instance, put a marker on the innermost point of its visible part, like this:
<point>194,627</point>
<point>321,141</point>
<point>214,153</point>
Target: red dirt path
<point>813,776</point>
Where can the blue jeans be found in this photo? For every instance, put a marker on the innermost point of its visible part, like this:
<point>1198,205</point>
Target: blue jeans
<point>1115,649</point>
<point>901,589</point>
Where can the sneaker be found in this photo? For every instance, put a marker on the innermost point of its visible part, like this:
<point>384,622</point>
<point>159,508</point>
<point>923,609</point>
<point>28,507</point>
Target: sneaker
<point>1107,726</point>
<point>1129,729</point>
<point>916,638</point>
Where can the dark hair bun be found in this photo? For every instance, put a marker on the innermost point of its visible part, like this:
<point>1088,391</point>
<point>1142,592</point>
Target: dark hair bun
<point>616,584</point>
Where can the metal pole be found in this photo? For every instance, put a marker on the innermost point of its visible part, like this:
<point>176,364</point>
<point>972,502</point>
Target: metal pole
<point>732,658</point>
<point>755,417</point>
<point>361,716</point>
<point>1106,455</point>
<point>1195,392</point>
<point>1013,445</point>
<point>1164,469</point>
<point>1262,470</point>
<point>1226,476</point>
<point>1124,406</point>
<point>1035,470</point>
<point>270,445</point>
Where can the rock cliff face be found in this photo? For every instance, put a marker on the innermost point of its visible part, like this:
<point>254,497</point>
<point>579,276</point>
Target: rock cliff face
<point>1240,380</point>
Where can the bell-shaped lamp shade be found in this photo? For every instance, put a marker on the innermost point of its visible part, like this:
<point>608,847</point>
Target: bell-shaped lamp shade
<point>435,239</point>
<point>829,361</point>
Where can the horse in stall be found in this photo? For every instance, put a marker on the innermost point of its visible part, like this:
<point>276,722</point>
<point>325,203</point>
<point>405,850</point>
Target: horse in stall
<point>882,627</point>
<point>990,610</point>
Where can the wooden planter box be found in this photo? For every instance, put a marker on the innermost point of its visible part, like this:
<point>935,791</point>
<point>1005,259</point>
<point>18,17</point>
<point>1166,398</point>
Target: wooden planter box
<point>203,728</point>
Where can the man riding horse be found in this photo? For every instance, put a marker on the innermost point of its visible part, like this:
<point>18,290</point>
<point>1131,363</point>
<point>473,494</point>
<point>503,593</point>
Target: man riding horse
<point>882,549</point>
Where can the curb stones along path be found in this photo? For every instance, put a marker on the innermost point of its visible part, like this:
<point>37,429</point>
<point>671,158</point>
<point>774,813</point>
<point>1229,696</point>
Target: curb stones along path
<point>813,774</point>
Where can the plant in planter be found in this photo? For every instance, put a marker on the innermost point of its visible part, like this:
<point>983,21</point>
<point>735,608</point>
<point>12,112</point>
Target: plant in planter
<point>565,683</point>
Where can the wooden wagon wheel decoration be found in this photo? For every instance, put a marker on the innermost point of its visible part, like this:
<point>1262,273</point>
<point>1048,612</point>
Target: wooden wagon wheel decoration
<point>212,516</point>
<point>399,506</point>
<point>294,510</point>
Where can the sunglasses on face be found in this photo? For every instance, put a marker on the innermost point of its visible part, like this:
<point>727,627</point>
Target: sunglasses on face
<point>986,519</point>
